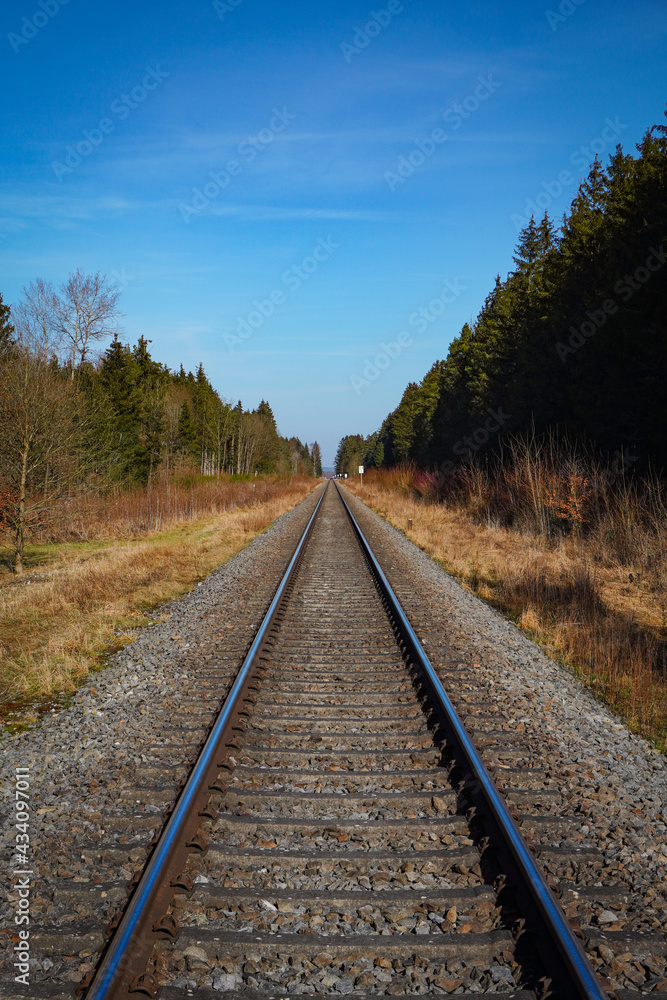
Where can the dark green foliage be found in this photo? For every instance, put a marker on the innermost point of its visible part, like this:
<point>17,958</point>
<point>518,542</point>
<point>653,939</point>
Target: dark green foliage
<point>300,459</point>
<point>187,441</point>
<point>152,381</point>
<point>119,404</point>
<point>141,416</point>
<point>68,425</point>
<point>316,456</point>
<point>575,337</point>
<point>266,413</point>
<point>350,455</point>
<point>179,420</point>
<point>127,395</point>
<point>6,327</point>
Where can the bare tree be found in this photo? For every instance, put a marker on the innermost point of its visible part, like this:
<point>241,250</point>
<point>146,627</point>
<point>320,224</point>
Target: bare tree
<point>252,438</point>
<point>35,318</point>
<point>40,425</point>
<point>86,310</point>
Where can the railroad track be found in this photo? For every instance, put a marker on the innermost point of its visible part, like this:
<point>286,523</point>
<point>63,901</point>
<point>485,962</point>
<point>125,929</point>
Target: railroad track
<point>339,833</point>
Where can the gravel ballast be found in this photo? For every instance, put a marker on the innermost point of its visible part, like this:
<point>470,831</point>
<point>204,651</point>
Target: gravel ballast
<point>102,771</point>
<point>527,711</point>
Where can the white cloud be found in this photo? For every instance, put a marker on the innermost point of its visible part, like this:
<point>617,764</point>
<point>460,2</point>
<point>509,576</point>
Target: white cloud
<point>273,213</point>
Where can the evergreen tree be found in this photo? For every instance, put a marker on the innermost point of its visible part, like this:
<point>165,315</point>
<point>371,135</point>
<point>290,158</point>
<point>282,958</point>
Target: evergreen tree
<point>128,457</point>
<point>152,382</point>
<point>317,460</point>
<point>266,413</point>
<point>187,441</point>
<point>574,337</point>
<point>6,327</point>
<point>350,455</point>
<point>66,426</point>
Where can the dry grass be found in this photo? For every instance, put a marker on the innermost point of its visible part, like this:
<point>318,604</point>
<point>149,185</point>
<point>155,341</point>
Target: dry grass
<point>119,512</point>
<point>78,601</point>
<point>588,608</point>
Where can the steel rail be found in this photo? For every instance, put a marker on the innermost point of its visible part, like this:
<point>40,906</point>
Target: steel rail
<point>582,976</point>
<point>113,970</point>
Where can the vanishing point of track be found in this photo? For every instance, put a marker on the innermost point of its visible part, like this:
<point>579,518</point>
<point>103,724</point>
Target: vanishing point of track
<point>338,763</point>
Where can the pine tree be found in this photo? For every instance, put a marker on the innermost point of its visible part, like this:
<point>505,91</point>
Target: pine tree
<point>403,428</point>
<point>202,380</point>
<point>266,413</point>
<point>119,377</point>
<point>350,454</point>
<point>6,327</point>
<point>574,337</point>
<point>152,381</point>
<point>316,456</point>
<point>187,441</point>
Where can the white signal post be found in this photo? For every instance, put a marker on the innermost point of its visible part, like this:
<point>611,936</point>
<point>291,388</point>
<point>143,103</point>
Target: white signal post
<point>361,473</point>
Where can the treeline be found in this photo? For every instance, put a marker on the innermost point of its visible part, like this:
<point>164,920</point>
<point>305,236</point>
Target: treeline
<point>573,339</point>
<point>71,423</point>
<point>143,416</point>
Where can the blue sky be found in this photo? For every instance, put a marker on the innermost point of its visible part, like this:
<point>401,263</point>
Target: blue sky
<point>238,162</point>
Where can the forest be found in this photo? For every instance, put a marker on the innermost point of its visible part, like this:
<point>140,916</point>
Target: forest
<point>572,342</point>
<point>76,423</point>
<point>531,459</point>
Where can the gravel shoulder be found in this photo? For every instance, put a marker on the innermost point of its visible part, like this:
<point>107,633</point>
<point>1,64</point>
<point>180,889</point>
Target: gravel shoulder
<point>102,770</point>
<point>530,712</point>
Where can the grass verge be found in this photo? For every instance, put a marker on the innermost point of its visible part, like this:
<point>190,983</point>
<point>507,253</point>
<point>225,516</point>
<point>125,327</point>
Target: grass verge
<point>592,617</point>
<point>79,601</point>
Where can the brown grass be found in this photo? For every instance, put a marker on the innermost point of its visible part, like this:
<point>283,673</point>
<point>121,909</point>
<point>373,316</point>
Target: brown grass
<point>120,512</point>
<point>599,611</point>
<point>80,600</point>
